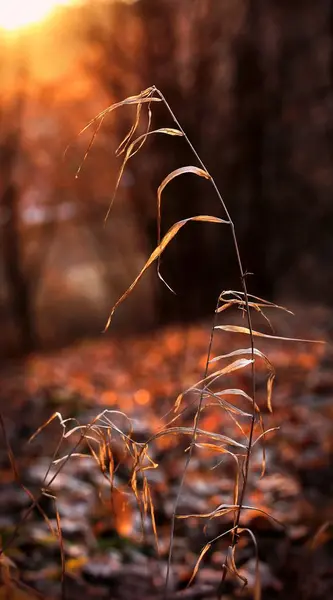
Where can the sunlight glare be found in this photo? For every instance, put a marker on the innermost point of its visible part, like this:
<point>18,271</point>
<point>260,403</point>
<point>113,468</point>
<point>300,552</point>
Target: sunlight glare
<point>18,14</point>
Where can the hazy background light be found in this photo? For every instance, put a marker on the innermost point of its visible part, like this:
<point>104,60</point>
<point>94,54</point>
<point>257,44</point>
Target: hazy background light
<point>18,15</point>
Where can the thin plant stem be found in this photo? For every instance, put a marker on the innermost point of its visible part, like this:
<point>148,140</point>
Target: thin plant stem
<point>253,377</point>
<point>189,455</point>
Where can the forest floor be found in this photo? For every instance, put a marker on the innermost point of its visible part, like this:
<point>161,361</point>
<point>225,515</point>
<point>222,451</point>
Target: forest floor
<point>104,554</point>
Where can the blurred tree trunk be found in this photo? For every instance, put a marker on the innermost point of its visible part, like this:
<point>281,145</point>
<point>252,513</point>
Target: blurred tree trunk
<point>19,286</point>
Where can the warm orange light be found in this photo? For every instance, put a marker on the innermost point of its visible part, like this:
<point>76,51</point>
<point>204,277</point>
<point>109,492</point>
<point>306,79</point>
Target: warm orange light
<point>142,397</point>
<point>19,14</point>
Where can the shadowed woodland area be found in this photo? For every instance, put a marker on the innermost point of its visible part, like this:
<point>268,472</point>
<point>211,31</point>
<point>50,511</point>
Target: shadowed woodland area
<point>250,83</point>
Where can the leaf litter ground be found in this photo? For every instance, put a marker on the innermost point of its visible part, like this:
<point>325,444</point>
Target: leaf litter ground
<point>104,551</point>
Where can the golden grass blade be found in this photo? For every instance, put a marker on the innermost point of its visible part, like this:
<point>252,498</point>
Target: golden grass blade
<point>270,382</point>
<point>144,97</point>
<point>223,403</point>
<point>145,494</point>
<point>237,364</point>
<point>237,392</point>
<point>233,566</point>
<point>102,456</point>
<point>261,302</point>
<point>123,144</point>
<point>132,149</point>
<point>234,366</point>
<point>241,304</point>
<point>197,564</point>
<point>237,329</point>
<point>240,392</point>
<point>319,537</point>
<point>138,99</point>
<point>142,138</point>
<point>93,454</point>
<point>168,131</point>
<point>138,140</point>
<point>223,509</point>
<point>233,418</point>
<point>74,455</point>
<point>153,521</point>
<point>190,431</point>
<point>264,433</point>
<point>214,448</point>
<point>270,367</point>
<point>111,465</point>
<point>257,583</point>
<point>55,415</point>
<point>242,351</point>
<point>130,152</point>
<point>238,299</point>
<point>266,514</point>
<point>90,145</point>
<point>165,182</point>
<point>227,305</point>
<point>211,515</point>
<point>170,177</point>
<point>158,251</point>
